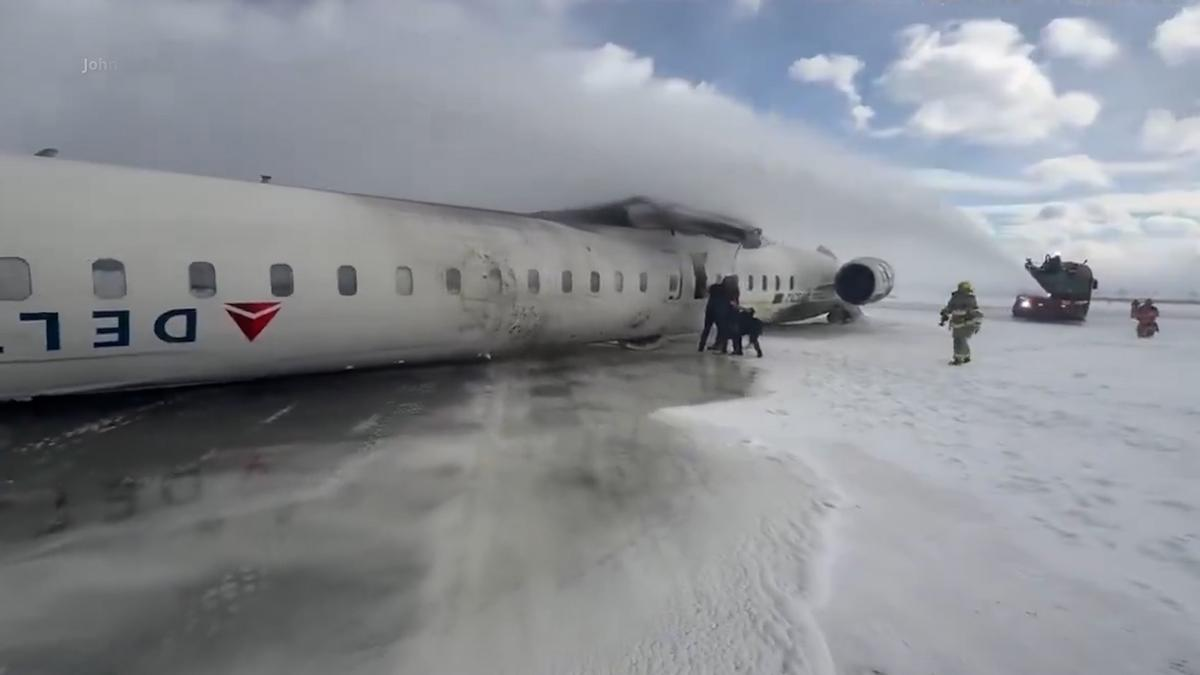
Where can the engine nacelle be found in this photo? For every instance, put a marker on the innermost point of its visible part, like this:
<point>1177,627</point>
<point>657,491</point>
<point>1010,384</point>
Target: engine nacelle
<point>864,280</point>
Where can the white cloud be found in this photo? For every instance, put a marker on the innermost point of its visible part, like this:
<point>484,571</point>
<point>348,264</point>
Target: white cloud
<point>1178,39</point>
<point>975,81</point>
<point>1084,40</point>
<point>1046,176</point>
<point>1147,243</point>
<point>1162,132</point>
<point>1060,172</point>
<point>483,103</point>
<point>961,182</point>
<point>615,67</point>
<point>1184,203</point>
<point>838,70</point>
<point>1171,226</point>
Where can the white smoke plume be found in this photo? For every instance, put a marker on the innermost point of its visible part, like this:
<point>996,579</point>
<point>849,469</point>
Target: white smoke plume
<point>477,102</point>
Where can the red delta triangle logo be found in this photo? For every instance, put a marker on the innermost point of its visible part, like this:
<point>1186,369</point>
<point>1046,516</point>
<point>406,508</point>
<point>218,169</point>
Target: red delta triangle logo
<point>252,317</point>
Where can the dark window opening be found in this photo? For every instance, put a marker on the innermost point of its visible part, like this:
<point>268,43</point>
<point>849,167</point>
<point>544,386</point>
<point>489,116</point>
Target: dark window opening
<point>283,284</point>
<point>16,282</point>
<point>698,262</point>
<point>595,282</point>
<point>108,279</point>
<point>347,278</point>
<point>453,281</point>
<point>404,281</point>
<point>202,279</point>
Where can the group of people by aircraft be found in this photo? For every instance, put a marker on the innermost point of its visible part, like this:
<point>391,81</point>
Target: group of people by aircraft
<point>732,321</point>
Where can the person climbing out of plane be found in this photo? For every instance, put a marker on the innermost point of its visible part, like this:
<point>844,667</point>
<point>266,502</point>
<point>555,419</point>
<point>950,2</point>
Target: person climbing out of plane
<point>1147,319</point>
<point>751,327</point>
<point>962,311</point>
<point>713,314</point>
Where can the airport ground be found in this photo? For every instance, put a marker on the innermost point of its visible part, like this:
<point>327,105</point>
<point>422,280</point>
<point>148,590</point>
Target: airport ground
<point>847,504</point>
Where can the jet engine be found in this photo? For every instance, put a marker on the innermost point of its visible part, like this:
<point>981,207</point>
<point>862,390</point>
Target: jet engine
<point>864,280</point>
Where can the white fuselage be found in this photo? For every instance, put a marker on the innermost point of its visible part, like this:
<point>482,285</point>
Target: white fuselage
<point>118,278</point>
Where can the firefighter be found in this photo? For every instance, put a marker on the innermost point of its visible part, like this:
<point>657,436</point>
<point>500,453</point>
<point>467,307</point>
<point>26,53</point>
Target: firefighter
<point>962,312</point>
<point>1147,319</point>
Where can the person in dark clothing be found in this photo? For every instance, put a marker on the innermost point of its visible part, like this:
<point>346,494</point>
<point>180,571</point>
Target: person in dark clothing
<point>733,330</point>
<point>751,327</point>
<point>727,318</point>
<point>713,314</point>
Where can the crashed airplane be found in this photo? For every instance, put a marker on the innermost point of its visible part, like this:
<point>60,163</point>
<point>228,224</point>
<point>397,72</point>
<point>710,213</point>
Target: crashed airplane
<point>115,278</point>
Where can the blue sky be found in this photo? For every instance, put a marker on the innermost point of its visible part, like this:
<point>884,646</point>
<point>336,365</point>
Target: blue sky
<point>748,57</point>
<point>1111,169</point>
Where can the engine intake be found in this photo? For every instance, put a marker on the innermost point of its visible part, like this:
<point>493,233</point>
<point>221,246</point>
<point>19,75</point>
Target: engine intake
<point>864,280</point>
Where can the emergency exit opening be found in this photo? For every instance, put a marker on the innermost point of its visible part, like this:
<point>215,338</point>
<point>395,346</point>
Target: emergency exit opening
<point>698,262</point>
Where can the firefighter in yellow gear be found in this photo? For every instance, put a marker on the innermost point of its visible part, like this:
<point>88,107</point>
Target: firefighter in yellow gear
<point>962,313</point>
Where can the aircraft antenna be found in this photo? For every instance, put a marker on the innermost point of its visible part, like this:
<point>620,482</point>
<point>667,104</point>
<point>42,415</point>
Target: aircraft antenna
<point>46,152</point>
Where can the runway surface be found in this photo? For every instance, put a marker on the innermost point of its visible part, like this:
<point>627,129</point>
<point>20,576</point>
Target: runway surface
<point>313,524</point>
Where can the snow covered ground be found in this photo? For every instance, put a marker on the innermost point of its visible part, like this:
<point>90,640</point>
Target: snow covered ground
<point>1037,511</point>
<point>847,505</point>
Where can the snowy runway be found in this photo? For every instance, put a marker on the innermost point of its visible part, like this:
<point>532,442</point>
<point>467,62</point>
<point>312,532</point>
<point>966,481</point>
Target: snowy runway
<point>1036,511</point>
<point>848,504</point>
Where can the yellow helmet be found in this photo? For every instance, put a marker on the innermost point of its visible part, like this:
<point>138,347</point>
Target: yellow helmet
<point>966,287</point>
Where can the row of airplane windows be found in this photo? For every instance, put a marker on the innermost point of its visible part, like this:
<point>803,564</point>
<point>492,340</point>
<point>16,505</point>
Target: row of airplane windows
<point>108,280</point>
<point>764,286</point>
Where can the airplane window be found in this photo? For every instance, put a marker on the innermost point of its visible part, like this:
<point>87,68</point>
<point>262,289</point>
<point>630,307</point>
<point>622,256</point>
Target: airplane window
<point>778,283</point>
<point>674,284</point>
<point>595,282</point>
<point>534,282</point>
<point>750,282</point>
<point>404,281</point>
<point>619,282</point>
<point>283,284</point>
<point>791,283</point>
<point>764,286</point>
<point>643,282</point>
<point>495,281</point>
<point>453,281</point>
<point>15,280</point>
<point>202,279</point>
<point>566,281</point>
<point>347,278</point>
<point>108,279</point>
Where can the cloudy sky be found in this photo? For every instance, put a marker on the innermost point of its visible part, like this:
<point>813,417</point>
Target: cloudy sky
<point>951,138</point>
